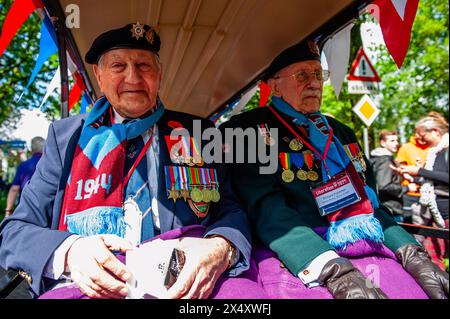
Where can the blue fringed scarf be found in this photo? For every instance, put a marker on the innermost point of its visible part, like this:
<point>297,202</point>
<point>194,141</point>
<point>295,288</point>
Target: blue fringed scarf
<point>94,193</point>
<point>352,223</point>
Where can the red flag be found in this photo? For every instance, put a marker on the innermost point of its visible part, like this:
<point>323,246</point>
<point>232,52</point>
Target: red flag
<point>74,95</point>
<point>16,16</point>
<point>396,18</point>
<point>264,93</point>
<point>75,92</point>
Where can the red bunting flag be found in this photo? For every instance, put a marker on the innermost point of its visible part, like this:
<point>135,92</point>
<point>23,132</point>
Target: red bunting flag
<point>16,16</point>
<point>264,93</point>
<point>75,92</point>
<point>396,18</point>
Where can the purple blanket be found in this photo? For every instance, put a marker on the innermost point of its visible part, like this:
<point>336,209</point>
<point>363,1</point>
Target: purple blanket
<point>267,279</point>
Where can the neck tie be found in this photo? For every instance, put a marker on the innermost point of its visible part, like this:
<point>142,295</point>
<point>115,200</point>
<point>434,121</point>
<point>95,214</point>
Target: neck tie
<point>135,185</point>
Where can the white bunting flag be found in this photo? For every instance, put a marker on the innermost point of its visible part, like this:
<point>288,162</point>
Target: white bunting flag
<point>337,53</point>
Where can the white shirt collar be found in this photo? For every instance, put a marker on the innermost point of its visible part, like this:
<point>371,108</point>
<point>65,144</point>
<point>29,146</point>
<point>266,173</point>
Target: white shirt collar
<point>117,117</point>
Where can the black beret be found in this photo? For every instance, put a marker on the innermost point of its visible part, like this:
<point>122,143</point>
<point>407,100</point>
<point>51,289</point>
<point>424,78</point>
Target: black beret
<point>303,51</point>
<point>131,36</point>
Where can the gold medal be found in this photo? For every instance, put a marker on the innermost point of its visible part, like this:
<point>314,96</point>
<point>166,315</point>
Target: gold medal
<point>207,195</point>
<point>173,194</point>
<point>215,195</point>
<point>302,175</point>
<point>198,160</point>
<point>184,193</point>
<point>288,176</point>
<point>196,195</point>
<point>189,160</point>
<point>363,162</point>
<point>313,176</point>
<point>295,144</point>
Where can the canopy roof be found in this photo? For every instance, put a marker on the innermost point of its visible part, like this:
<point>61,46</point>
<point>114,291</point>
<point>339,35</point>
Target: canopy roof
<point>212,50</point>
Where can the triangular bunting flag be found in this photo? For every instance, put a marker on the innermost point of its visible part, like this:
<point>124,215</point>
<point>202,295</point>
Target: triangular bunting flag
<point>54,83</point>
<point>47,47</point>
<point>16,16</point>
<point>396,18</point>
<point>337,52</point>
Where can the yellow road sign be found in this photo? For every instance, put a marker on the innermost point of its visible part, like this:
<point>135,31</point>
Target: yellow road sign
<point>367,110</point>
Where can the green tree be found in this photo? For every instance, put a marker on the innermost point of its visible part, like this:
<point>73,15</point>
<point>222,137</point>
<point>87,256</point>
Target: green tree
<point>16,65</point>
<point>409,93</point>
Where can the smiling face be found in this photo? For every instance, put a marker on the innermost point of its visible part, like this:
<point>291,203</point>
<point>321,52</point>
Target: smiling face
<point>303,96</point>
<point>129,79</point>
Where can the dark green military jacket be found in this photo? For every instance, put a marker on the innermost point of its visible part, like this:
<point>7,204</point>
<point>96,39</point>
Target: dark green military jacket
<point>283,215</point>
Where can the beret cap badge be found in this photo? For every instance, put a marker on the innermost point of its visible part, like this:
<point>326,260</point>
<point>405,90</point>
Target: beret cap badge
<point>150,36</point>
<point>143,37</point>
<point>137,30</point>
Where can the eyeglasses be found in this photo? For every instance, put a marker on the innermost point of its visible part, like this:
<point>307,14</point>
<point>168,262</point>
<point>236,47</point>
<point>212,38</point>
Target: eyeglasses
<point>303,76</point>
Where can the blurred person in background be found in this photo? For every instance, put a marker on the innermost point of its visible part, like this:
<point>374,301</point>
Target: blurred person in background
<point>434,178</point>
<point>388,182</point>
<point>23,174</point>
<point>412,153</point>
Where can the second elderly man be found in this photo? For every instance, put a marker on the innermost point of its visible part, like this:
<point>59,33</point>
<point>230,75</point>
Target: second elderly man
<point>319,213</point>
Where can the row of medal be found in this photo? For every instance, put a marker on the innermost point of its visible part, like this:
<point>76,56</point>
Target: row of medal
<point>289,160</point>
<point>187,151</point>
<point>357,157</point>
<point>197,184</point>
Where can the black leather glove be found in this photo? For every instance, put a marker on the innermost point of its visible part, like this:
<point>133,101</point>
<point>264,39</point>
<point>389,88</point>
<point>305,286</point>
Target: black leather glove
<point>346,282</point>
<point>427,274</point>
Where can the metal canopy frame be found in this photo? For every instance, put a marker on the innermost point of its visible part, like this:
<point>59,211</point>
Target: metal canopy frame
<point>322,34</point>
<point>67,43</point>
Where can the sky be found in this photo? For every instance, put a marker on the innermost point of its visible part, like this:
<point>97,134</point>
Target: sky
<point>33,123</point>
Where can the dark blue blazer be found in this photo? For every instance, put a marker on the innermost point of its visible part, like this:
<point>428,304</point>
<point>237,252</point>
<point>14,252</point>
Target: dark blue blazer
<point>30,236</point>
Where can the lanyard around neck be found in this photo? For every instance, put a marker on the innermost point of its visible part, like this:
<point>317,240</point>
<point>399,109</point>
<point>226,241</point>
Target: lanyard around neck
<point>327,145</point>
<point>141,154</point>
<point>139,158</point>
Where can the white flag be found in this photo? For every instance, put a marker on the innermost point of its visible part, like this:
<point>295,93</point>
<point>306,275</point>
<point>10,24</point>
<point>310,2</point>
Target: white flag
<point>54,83</point>
<point>337,53</point>
<point>243,101</point>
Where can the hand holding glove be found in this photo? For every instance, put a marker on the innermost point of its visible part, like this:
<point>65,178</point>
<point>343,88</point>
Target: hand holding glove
<point>346,282</point>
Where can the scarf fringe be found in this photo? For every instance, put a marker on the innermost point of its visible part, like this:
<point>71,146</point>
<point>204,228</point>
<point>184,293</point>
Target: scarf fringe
<point>96,221</point>
<point>353,229</point>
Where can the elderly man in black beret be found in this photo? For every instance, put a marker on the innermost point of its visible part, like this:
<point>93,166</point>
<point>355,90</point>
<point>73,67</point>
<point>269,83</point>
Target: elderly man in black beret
<point>319,213</point>
<point>109,181</point>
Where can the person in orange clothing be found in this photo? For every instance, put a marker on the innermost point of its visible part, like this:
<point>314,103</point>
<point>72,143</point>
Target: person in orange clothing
<point>413,153</point>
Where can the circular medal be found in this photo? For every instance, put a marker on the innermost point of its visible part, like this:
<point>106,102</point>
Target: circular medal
<point>196,195</point>
<point>288,176</point>
<point>207,195</point>
<point>313,176</point>
<point>215,195</point>
<point>189,160</point>
<point>296,145</point>
<point>178,159</point>
<point>302,175</point>
<point>198,160</point>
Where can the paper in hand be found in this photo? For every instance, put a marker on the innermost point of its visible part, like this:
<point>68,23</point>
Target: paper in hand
<point>149,265</point>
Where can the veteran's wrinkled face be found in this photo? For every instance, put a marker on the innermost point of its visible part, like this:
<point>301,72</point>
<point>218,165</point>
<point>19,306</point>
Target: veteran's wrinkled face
<point>303,94</point>
<point>130,80</point>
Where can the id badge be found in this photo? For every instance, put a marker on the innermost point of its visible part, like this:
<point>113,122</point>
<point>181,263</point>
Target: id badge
<point>133,220</point>
<point>335,194</point>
